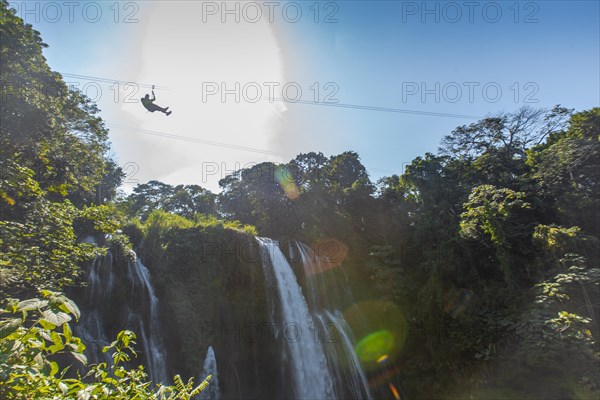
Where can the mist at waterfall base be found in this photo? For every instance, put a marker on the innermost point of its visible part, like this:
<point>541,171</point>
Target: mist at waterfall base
<point>102,318</point>
<point>210,369</point>
<point>324,344</point>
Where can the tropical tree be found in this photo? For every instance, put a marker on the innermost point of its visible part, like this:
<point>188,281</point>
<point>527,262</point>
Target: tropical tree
<point>35,333</point>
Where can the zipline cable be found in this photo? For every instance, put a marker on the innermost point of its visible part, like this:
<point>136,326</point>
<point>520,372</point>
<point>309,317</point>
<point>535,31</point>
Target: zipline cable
<point>106,80</point>
<point>271,99</point>
<point>374,108</point>
<point>195,140</point>
<point>214,143</point>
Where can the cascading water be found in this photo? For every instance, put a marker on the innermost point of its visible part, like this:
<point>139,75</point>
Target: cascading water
<point>343,362</point>
<point>349,376</point>
<point>91,328</point>
<point>314,349</point>
<point>312,378</point>
<point>102,317</point>
<point>212,392</point>
<point>322,367</point>
<point>155,356</point>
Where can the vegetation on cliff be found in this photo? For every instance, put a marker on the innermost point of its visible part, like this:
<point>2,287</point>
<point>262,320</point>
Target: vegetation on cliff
<point>489,246</point>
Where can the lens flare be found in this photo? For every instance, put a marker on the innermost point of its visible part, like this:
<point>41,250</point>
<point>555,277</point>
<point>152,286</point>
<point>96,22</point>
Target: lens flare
<point>373,346</point>
<point>381,331</point>
<point>387,374</point>
<point>394,391</point>
<point>382,358</point>
<point>326,254</point>
<point>286,181</point>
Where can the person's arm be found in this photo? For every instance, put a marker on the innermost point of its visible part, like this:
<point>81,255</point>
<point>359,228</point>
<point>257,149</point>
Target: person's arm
<point>153,96</point>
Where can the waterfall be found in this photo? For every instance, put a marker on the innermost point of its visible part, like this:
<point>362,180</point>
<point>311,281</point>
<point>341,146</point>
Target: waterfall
<point>343,362</point>
<point>313,356</point>
<point>350,378</point>
<point>90,327</point>
<point>155,356</point>
<point>310,372</point>
<point>212,392</point>
<point>102,317</point>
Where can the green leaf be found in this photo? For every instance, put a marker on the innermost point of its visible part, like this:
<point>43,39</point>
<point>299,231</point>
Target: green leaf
<point>31,304</point>
<point>56,339</point>
<point>202,386</point>
<point>55,317</point>
<point>70,307</point>
<point>9,326</point>
<point>47,325</point>
<point>179,383</point>
<point>39,360</point>
<point>84,394</point>
<point>50,294</point>
<point>63,387</point>
<point>67,332</point>
<point>53,368</point>
<point>79,357</point>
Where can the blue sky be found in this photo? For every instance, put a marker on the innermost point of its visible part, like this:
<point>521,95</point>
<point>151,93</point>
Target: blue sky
<point>378,53</point>
<point>559,54</point>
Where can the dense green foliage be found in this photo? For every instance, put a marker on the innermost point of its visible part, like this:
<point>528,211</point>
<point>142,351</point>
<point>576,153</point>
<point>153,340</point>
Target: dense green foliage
<point>36,332</point>
<point>310,196</point>
<point>467,242</point>
<point>184,200</point>
<point>207,276</point>
<point>517,228</point>
<point>56,185</point>
<point>489,247</point>
<point>54,170</point>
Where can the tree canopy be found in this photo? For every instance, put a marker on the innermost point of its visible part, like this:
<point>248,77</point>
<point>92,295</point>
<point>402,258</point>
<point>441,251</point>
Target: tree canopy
<point>489,246</point>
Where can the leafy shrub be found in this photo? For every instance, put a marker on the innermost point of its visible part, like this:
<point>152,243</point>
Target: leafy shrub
<point>34,332</point>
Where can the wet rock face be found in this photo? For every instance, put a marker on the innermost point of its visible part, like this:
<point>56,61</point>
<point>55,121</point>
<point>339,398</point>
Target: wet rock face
<point>212,293</point>
<point>119,295</point>
<point>221,289</point>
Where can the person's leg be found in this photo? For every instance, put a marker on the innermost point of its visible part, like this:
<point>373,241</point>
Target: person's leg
<point>153,107</point>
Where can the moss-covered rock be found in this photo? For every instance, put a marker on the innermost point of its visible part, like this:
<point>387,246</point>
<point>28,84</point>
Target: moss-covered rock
<point>210,283</point>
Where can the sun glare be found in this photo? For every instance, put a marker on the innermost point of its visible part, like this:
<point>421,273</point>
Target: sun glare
<point>218,77</point>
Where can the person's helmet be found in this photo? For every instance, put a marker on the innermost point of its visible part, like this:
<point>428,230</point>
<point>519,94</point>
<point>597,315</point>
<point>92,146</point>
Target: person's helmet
<point>147,96</point>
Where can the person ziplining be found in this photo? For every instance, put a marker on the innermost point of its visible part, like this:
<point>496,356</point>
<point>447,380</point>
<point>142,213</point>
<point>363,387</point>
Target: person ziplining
<point>148,103</point>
